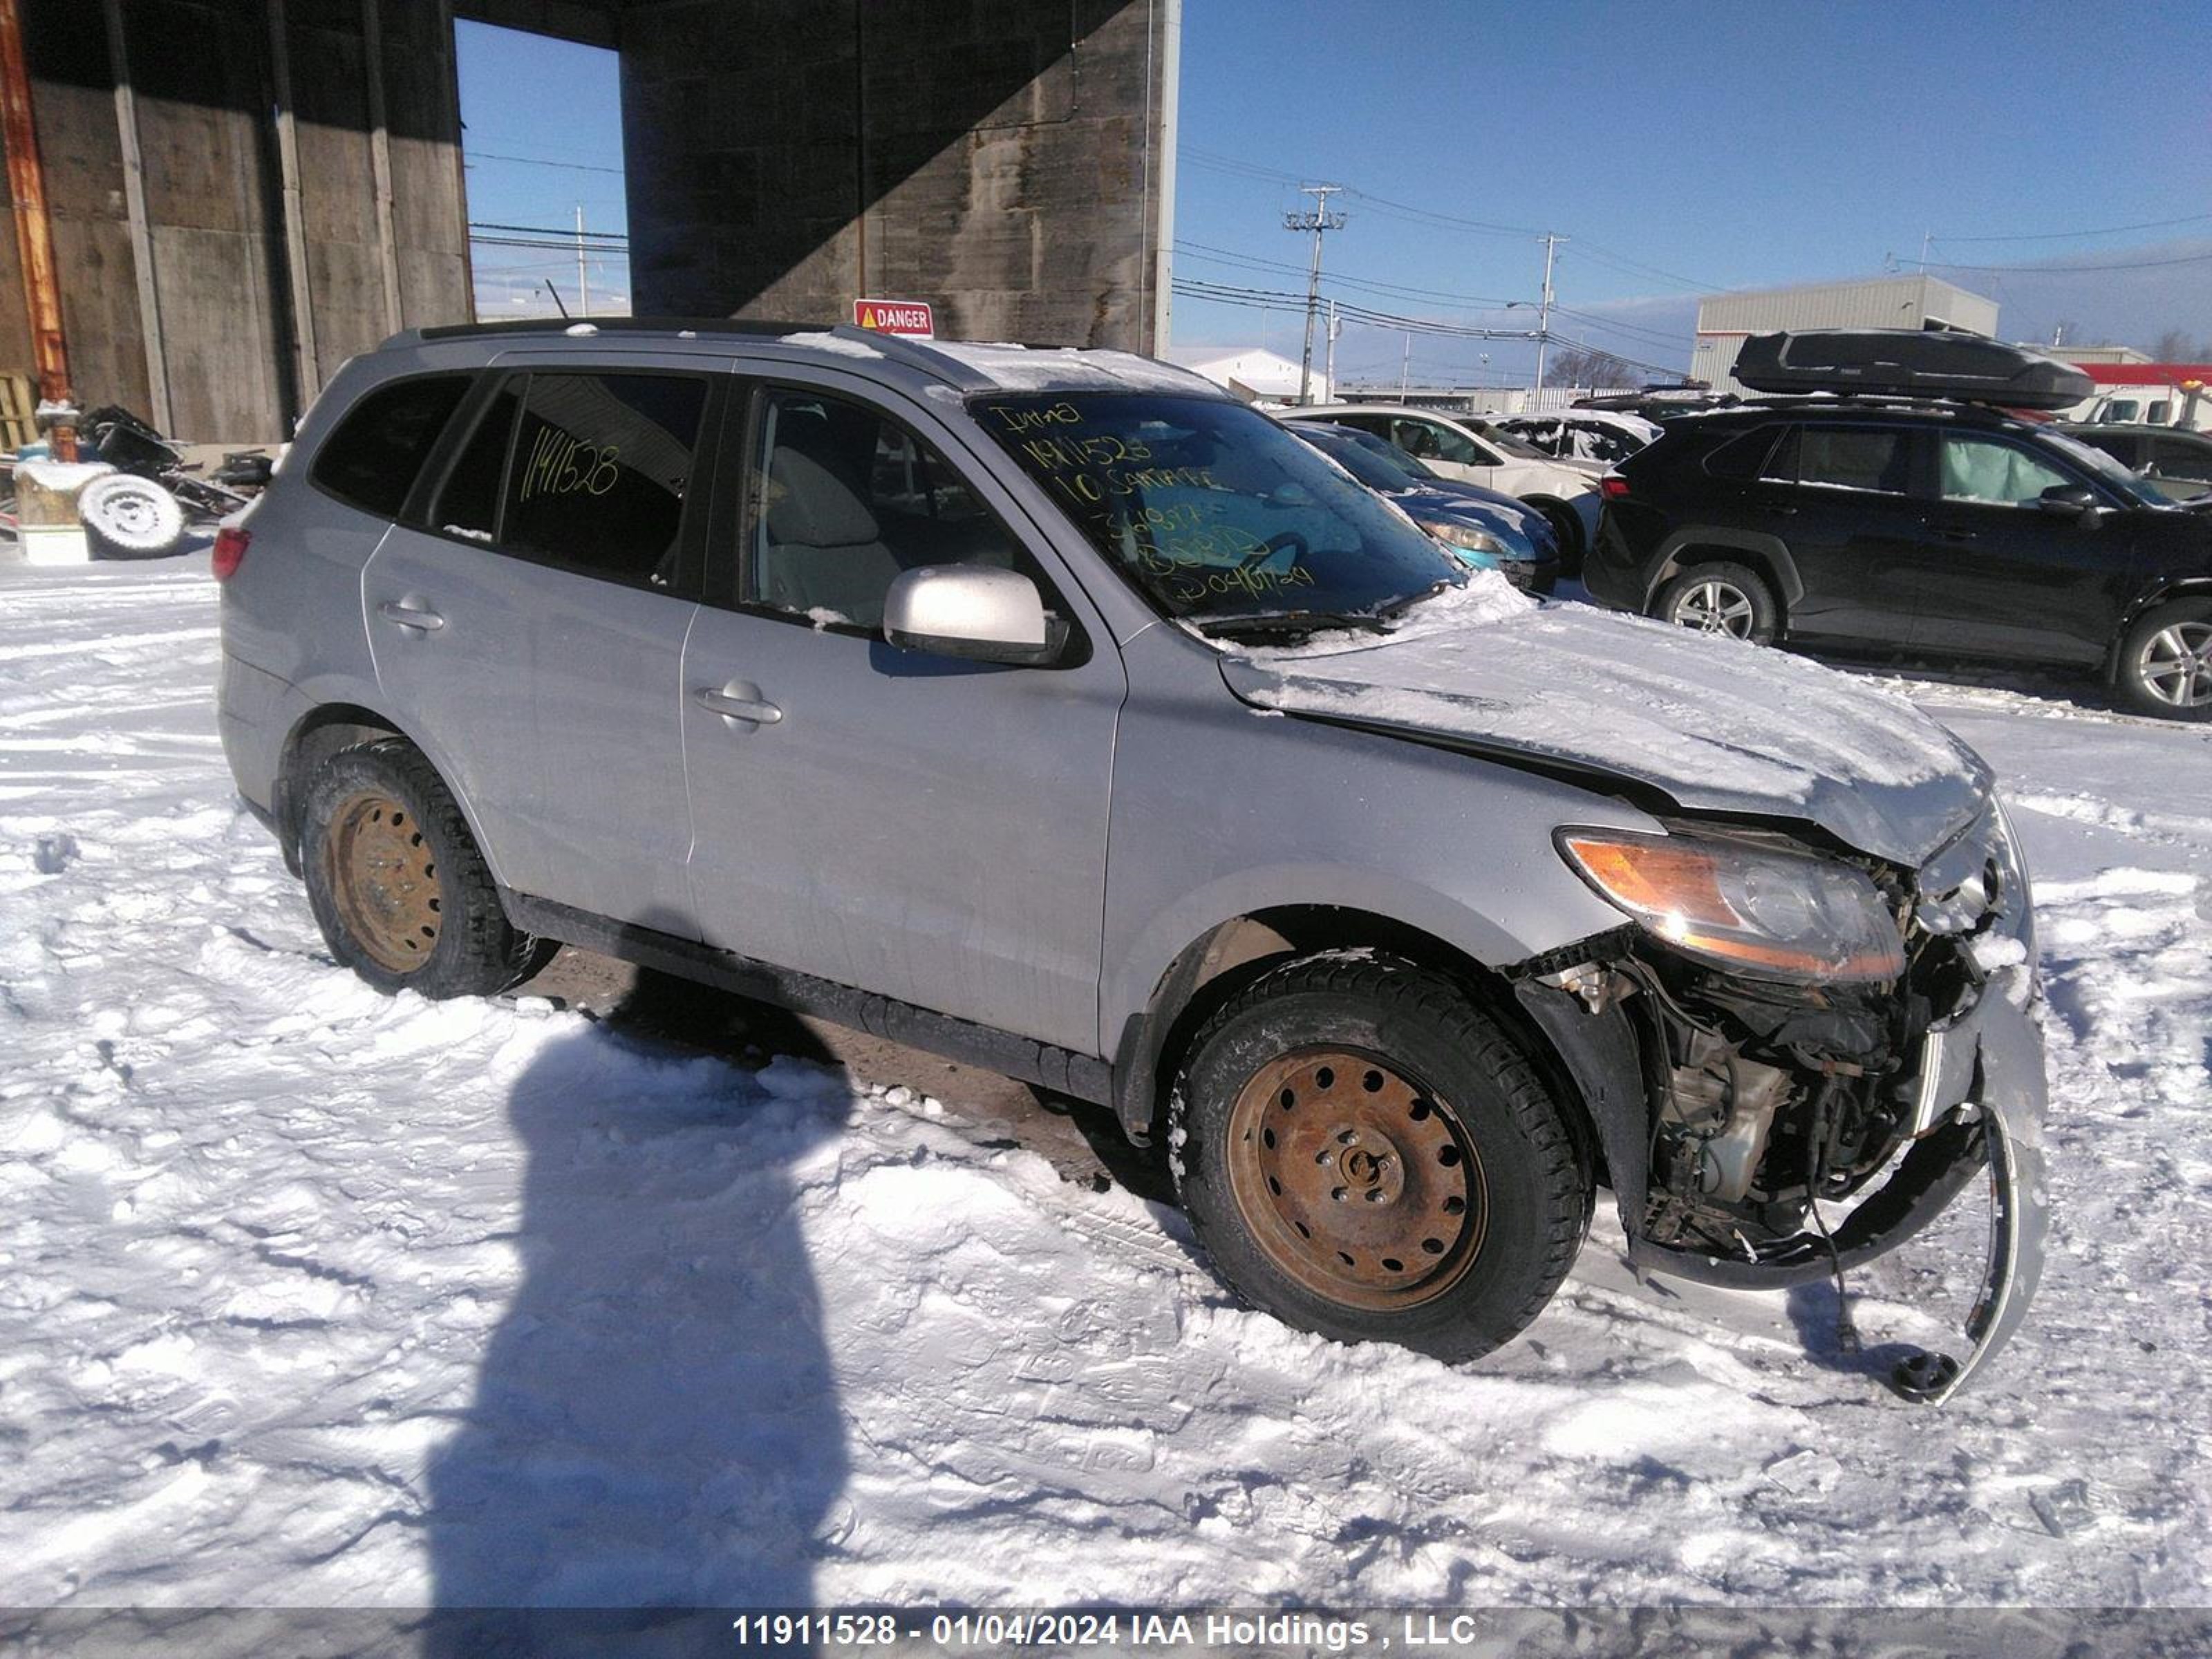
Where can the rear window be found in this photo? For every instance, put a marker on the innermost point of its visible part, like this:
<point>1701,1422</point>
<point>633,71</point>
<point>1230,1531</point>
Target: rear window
<point>371,460</point>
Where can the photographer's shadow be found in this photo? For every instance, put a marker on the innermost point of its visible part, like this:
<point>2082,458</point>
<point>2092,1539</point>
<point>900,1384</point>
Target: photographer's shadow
<point>656,1421</point>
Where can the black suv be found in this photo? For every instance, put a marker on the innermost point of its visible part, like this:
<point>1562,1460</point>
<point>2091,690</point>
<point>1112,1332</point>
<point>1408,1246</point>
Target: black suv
<point>1950,529</point>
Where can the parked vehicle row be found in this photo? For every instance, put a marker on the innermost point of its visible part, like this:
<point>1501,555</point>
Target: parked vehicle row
<point>1942,526</point>
<point>1057,712</point>
<point>1462,447</point>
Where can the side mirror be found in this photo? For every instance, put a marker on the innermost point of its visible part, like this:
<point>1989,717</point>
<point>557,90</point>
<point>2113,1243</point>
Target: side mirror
<point>2075,502</point>
<point>972,611</point>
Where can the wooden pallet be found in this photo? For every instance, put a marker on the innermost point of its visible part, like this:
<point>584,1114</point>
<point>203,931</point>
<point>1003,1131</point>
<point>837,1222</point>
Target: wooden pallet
<point>19,402</point>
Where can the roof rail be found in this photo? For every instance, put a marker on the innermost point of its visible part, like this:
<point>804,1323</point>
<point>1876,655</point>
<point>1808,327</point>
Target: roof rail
<point>615,325</point>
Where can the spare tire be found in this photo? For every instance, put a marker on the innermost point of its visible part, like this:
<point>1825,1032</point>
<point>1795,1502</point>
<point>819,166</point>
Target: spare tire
<point>127,516</point>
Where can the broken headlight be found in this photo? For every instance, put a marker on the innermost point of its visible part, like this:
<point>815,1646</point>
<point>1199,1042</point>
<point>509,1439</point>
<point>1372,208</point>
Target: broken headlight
<point>1751,910</point>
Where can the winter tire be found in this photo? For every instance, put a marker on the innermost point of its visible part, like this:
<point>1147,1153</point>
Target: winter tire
<point>1720,599</point>
<point>2164,665</point>
<point>1364,1154</point>
<point>397,884</point>
<point>127,516</point>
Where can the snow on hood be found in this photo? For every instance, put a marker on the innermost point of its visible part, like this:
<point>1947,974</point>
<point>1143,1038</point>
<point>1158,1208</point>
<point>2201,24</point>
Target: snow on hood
<point>1717,725</point>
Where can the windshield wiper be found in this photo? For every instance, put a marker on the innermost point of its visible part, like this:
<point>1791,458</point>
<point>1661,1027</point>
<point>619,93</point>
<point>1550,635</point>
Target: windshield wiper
<point>1399,607</point>
<point>1260,623</point>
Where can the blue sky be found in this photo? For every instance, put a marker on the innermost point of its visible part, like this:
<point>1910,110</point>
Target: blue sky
<point>1681,147</point>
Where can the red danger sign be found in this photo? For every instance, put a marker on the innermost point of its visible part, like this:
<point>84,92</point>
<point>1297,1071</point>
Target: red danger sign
<point>896,317</point>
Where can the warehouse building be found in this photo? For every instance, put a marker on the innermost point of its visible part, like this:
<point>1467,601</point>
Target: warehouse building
<point>1726,321</point>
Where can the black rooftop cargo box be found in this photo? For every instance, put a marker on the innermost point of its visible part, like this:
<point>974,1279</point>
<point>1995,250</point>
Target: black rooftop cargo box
<point>1903,362</point>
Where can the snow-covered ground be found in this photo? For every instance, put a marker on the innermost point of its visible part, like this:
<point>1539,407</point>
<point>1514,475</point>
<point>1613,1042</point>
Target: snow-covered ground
<point>310,1296</point>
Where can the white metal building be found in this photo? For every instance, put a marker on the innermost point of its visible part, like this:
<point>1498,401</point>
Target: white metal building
<point>1725,320</point>
<point>1252,372</point>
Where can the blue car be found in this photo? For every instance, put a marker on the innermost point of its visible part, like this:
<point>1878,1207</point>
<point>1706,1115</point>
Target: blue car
<point>1481,527</point>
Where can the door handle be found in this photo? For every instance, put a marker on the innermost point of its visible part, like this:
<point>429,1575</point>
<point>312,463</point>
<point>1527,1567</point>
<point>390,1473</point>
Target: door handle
<point>419,617</point>
<point>1776,510</point>
<point>736,705</point>
<point>1954,533</point>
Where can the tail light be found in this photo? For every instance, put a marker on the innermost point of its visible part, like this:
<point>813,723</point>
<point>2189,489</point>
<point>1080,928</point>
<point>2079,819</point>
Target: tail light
<point>1614,486</point>
<point>230,544</point>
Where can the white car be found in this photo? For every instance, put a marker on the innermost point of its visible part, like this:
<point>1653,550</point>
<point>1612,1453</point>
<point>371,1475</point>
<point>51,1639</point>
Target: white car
<point>1601,436</point>
<point>1468,448</point>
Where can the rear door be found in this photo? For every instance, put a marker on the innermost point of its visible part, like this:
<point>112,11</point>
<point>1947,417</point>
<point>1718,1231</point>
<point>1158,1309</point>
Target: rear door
<point>928,829</point>
<point>528,623</point>
<point>2011,580</point>
<point>1841,499</point>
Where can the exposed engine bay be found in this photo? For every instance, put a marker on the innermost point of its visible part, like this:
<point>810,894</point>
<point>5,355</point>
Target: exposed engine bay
<point>1761,1095</point>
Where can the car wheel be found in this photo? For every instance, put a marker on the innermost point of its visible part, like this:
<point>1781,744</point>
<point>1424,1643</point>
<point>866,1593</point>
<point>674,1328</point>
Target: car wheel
<point>2166,661</point>
<point>1364,1154</point>
<point>397,884</point>
<point>1720,599</point>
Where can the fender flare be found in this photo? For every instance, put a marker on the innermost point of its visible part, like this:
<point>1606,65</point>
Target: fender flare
<point>348,710</point>
<point>1768,552</point>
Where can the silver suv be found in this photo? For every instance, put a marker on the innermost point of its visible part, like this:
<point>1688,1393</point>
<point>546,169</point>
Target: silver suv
<point>1057,713</point>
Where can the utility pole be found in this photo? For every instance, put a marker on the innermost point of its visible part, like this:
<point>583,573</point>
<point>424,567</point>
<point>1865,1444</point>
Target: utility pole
<point>1334,327</point>
<point>1544,318</point>
<point>1319,220</point>
<point>583,285</point>
<point>1406,366</point>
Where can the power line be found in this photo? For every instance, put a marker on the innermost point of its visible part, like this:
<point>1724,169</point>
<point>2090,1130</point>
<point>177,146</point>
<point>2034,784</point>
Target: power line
<point>566,231</point>
<point>2074,235</point>
<point>1230,257</point>
<point>468,155</point>
<point>2061,271</point>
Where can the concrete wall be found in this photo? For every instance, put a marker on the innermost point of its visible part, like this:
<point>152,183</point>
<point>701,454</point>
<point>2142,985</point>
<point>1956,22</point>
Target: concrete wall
<point>203,297</point>
<point>1004,159</point>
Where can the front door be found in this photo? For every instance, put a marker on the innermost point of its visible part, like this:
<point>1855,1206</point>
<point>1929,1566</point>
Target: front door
<point>2008,579</point>
<point>928,829</point>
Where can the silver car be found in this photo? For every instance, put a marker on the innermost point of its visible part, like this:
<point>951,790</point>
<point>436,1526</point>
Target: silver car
<point>1053,711</point>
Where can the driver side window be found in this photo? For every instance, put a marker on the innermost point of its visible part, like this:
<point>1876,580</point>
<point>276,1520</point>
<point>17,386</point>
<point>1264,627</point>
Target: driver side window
<point>844,501</point>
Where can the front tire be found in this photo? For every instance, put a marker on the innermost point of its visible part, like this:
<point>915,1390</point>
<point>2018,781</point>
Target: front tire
<point>2166,661</point>
<point>1364,1154</point>
<point>402,894</point>
<point>1720,599</point>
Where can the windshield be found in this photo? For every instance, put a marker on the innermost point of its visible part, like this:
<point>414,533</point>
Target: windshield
<point>2091,458</point>
<point>1412,466</point>
<point>1375,472</point>
<point>1212,510</point>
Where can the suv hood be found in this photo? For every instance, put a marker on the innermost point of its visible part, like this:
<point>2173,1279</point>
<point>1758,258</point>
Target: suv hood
<point>1715,724</point>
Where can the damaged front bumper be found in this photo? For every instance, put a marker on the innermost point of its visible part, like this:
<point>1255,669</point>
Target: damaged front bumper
<point>1979,1107</point>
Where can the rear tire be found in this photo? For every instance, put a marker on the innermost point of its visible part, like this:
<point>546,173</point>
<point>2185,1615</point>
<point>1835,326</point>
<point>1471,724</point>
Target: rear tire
<point>1365,1155</point>
<point>397,883</point>
<point>1729,600</point>
<point>2164,666</point>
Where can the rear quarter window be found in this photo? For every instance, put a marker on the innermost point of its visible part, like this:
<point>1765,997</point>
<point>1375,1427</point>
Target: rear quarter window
<point>371,460</point>
<point>1743,457</point>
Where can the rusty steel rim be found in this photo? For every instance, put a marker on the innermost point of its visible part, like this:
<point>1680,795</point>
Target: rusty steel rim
<point>384,880</point>
<point>1355,1179</point>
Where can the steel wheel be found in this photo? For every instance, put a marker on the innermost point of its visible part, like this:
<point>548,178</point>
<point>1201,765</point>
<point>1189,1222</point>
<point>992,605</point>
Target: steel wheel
<point>1714,606</point>
<point>2175,666</point>
<point>384,879</point>
<point>1354,1180</point>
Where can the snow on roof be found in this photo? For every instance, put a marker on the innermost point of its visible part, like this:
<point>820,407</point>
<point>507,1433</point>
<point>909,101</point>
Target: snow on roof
<point>1027,368</point>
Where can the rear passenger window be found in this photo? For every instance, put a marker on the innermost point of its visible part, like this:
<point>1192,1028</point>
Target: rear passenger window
<point>845,501</point>
<point>371,460</point>
<point>1855,458</point>
<point>598,470</point>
